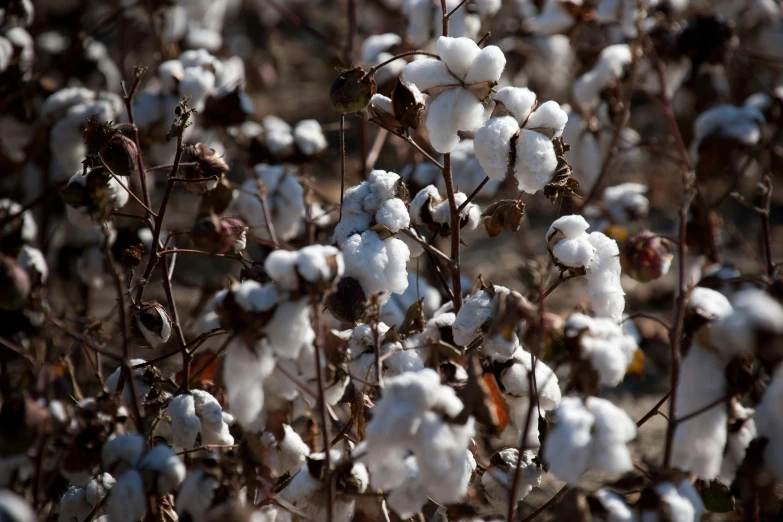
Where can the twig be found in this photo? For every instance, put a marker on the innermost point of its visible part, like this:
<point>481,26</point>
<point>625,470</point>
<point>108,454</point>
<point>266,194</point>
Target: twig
<point>124,186</point>
<point>560,280</point>
<point>186,356</point>
<point>767,181</point>
<point>549,503</point>
<point>138,72</point>
<point>701,410</point>
<point>20,352</point>
<point>342,163</point>
<point>377,146</point>
<point>456,280</point>
<point>431,249</point>
<point>384,63</point>
<point>654,411</point>
<point>474,193</point>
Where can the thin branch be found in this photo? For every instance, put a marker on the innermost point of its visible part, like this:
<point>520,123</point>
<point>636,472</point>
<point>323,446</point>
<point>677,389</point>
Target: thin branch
<point>456,279</point>
<point>138,72</point>
<point>124,186</point>
<point>704,409</point>
<point>654,411</point>
<point>473,194</point>
<point>374,68</point>
<point>431,249</point>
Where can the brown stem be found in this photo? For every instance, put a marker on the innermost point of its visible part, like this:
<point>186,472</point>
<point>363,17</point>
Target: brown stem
<point>374,68</point>
<point>431,249</point>
<point>342,163</point>
<point>186,356</point>
<point>445,11</point>
<point>768,227</point>
<point>654,411</point>
<point>322,406</point>
<point>456,281</point>
<point>549,503</point>
<point>128,97</point>
<point>125,187</point>
<point>701,410</point>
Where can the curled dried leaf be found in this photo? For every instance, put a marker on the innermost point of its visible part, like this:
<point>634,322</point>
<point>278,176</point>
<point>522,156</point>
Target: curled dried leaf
<point>505,214</point>
<point>408,105</point>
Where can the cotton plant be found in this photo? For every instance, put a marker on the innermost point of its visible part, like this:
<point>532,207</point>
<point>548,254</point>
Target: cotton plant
<point>308,492</point>
<point>457,86</point>
<point>138,472</point>
<point>589,433</point>
<point>287,455</point>
<point>78,502</point>
<point>519,139</point>
<point>273,321</point>
<point>90,196</point>
<point>573,249</point>
<point>416,414</point>
<point>603,344</point>
<point>431,209</point>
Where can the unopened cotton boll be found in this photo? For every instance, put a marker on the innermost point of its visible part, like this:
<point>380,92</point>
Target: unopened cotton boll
<point>153,323</point>
<point>589,434</point>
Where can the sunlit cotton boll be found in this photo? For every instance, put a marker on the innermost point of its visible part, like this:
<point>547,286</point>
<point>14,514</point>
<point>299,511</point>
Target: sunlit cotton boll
<point>588,434</point>
<point>457,85</point>
<point>603,342</point>
<point>497,480</point>
<point>378,265</point>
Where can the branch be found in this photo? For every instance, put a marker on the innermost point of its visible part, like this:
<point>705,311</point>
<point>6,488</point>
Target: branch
<point>138,72</point>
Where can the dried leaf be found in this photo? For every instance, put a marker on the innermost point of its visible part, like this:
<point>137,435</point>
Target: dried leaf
<point>413,322</point>
<point>483,399</point>
<point>407,107</point>
<point>505,214</point>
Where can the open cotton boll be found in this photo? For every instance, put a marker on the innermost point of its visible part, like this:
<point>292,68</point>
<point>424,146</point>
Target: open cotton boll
<point>393,312</point>
<point>603,278</point>
<point>445,464</point>
<point>168,467</point>
<point>198,83</point>
<point>74,506</point>
<point>170,73</point>
<point>519,101</point>
<point>743,124</point>
<point>680,503</point>
<point>476,311</point>
<point>426,74</point>
<point>375,44</point>
<point>709,303</point>
<point>127,501</point>
<point>28,230</point>
<point>319,264</point>
<point>251,296</point>
<point>245,370</point>
<point>626,201</point>
<point>122,452</point>
<point>616,508</point>
<point>455,110</point>
<point>32,260</point>
<point>393,215</point>
<point>280,265</point>
<point>498,479</point>
<point>185,425</point>
<point>567,227</point>
<point>309,137</point>
<point>378,265</point>
<point>286,455</point>
<point>535,161</point>
<point>603,342</point>
<point>515,385</point>
<point>408,497</point>
<point>738,441</point>
<point>141,387</point>
<point>607,70</point>
<point>457,53</point>
<point>487,67</point>
<point>350,224</point>
<point>492,145</point>
<point>548,119</point>
<point>290,329</point>
<point>589,434</point>
<point>699,442</point>
<point>214,425</point>
<point>755,315</point>
<point>196,495</point>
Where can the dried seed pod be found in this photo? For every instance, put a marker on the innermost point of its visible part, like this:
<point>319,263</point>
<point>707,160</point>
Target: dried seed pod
<point>210,167</point>
<point>646,257</point>
<point>219,235</point>
<point>351,91</point>
<point>348,303</point>
<point>151,325</point>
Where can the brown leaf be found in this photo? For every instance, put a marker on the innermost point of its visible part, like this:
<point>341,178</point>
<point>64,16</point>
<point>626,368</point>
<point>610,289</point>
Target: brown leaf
<point>413,322</point>
<point>505,214</point>
<point>483,399</point>
<point>407,107</point>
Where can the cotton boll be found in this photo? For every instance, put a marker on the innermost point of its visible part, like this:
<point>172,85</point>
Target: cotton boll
<point>469,112</point>
<point>309,137</point>
<point>127,503</point>
<point>379,266</point>
<point>738,440</point>
<point>441,120</point>
<point>98,488</point>
<point>393,215</point>
<point>407,498</point>
<point>755,315</point>
<point>515,380</point>
<point>214,423</point>
<point>535,161</point>
<point>245,370</point>
<point>519,101</point>
<point>443,462</point>
<point>122,452</point>
<point>169,468</point>
<point>383,184</point>
<point>74,506</point>
<point>603,278</point>
<point>497,481</point>
<point>680,503</point>
<point>626,201</point>
<point>375,44</point>
<point>427,74</point>
<point>457,53</point>
<point>589,434</point>
<point>289,329</point>
<point>548,119</point>
<point>553,19</point>
<point>287,455</point>
<point>769,423</point>
<point>487,67</point>
<point>476,311</point>
<point>350,224</point>
<point>185,425</point>
<point>198,83</point>
<point>603,342</point>
<point>170,73</point>
<point>320,264</point>
<point>32,260</point>
<point>280,265</point>
<point>492,143</point>
<point>699,442</point>
<point>616,508</point>
<point>196,495</point>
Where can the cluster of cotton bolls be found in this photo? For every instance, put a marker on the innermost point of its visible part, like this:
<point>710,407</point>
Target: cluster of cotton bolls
<point>573,249</point>
<point>431,209</point>
<point>416,417</point>
<point>603,343</point>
